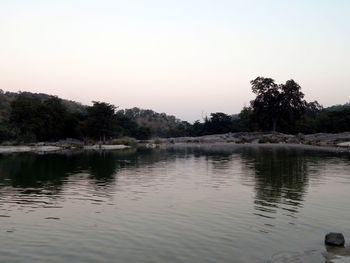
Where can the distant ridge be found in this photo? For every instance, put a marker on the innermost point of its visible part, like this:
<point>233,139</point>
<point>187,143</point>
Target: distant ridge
<point>72,106</point>
<point>338,107</point>
<point>159,122</point>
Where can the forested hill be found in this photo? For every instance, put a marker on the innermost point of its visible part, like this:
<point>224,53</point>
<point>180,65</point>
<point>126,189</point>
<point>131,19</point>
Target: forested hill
<point>161,123</point>
<point>339,107</point>
<point>7,97</point>
<point>33,116</point>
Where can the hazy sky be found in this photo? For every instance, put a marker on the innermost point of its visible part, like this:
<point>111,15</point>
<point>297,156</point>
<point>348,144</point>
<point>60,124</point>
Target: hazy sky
<point>183,57</point>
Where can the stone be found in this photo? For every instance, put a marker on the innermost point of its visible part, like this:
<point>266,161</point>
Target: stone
<point>335,239</point>
<point>344,144</point>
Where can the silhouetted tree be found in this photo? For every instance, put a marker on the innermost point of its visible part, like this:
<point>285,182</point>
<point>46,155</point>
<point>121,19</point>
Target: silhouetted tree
<point>42,120</point>
<point>218,123</point>
<point>245,120</point>
<point>101,120</point>
<point>275,104</point>
<point>143,133</point>
<point>308,121</point>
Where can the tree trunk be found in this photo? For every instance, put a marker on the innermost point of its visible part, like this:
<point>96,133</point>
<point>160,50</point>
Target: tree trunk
<point>274,125</point>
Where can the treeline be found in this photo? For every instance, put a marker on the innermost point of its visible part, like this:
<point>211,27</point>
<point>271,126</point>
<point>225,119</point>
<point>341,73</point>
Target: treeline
<point>313,120</point>
<point>276,107</point>
<point>161,123</point>
<point>48,118</point>
<point>30,117</point>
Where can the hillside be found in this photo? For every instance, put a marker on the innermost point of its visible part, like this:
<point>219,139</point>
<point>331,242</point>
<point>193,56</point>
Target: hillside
<point>339,107</point>
<point>7,97</point>
<point>161,123</point>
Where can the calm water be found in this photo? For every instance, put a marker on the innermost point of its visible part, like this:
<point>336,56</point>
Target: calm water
<point>185,205</point>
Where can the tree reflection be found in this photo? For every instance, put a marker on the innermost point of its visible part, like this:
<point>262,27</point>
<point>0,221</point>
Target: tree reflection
<point>49,172</point>
<point>280,178</point>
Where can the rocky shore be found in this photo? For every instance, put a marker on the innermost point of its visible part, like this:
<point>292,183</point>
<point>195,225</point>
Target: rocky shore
<point>319,139</point>
<point>339,142</point>
<point>63,145</point>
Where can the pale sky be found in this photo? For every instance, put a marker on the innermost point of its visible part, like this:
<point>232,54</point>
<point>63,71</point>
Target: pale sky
<point>187,58</point>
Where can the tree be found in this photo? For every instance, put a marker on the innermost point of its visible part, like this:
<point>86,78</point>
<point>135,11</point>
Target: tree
<point>143,133</point>
<point>25,117</point>
<point>100,120</point>
<point>308,121</point>
<point>41,120</point>
<point>197,128</point>
<point>245,120</point>
<point>218,123</point>
<point>276,105</point>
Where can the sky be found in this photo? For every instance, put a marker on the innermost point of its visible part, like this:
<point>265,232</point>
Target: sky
<point>186,58</point>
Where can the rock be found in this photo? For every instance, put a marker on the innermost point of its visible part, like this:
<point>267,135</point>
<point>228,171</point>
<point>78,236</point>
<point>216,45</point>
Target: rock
<point>300,136</point>
<point>293,140</point>
<point>344,144</point>
<point>334,239</point>
<point>70,143</point>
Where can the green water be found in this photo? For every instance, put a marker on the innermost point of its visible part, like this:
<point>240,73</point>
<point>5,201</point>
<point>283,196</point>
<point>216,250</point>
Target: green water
<point>176,205</point>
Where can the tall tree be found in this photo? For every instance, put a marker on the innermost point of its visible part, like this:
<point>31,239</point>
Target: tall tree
<point>277,105</point>
<point>218,123</point>
<point>101,120</point>
<point>41,120</point>
<point>25,117</point>
<point>267,104</point>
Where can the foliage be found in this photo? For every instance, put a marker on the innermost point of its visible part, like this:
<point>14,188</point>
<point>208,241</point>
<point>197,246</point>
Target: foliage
<point>49,119</point>
<point>124,141</point>
<point>218,123</point>
<point>143,133</point>
<point>37,120</point>
<point>162,125</point>
<point>339,107</point>
<point>276,106</point>
<point>100,122</point>
<point>333,121</point>
<point>31,117</point>
<point>245,121</point>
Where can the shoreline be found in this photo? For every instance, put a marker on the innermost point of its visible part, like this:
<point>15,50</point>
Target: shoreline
<point>214,146</point>
<point>235,146</point>
<point>50,149</point>
<point>322,142</point>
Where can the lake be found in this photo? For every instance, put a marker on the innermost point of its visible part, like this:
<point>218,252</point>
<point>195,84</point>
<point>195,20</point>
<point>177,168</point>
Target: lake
<point>190,204</point>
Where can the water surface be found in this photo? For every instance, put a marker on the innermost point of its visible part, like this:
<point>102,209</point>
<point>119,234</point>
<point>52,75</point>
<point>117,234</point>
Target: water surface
<point>184,205</point>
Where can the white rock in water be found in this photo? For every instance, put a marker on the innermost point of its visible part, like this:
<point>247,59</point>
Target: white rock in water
<point>106,147</point>
<point>344,144</point>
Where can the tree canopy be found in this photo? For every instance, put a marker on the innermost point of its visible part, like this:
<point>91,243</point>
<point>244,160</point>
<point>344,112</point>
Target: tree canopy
<point>30,117</point>
<point>276,105</point>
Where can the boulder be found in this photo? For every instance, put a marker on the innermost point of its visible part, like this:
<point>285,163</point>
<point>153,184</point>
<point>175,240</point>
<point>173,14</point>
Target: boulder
<point>335,239</point>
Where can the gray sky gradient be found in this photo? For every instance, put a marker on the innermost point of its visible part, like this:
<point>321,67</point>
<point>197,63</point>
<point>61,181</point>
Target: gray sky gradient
<point>187,58</point>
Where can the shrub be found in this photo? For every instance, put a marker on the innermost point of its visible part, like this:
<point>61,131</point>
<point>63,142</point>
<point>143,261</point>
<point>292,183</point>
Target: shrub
<point>124,141</point>
<point>157,141</point>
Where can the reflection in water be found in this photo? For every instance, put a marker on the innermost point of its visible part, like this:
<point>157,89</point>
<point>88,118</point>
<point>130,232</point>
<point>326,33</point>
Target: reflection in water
<point>38,180</point>
<point>201,204</point>
<point>280,178</point>
<point>52,170</point>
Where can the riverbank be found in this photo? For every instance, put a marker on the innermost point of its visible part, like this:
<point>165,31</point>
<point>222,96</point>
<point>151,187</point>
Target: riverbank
<point>48,148</point>
<point>318,139</point>
<point>326,142</point>
<point>231,147</point>
<point>339,142</point>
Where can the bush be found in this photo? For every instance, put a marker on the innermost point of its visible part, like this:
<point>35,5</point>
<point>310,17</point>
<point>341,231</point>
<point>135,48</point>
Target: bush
<point>124,141</point>
<point>157,141</point>
<point>5,134</point>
